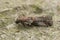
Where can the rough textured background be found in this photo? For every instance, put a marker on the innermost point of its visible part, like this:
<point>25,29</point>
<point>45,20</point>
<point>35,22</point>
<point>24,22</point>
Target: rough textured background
<point>9,9</point>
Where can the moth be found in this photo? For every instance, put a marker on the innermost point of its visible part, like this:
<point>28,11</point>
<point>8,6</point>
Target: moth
<point>35,21</point>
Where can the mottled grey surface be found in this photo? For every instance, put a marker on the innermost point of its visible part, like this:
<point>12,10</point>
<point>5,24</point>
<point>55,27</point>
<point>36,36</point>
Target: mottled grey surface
<point>10,9</point>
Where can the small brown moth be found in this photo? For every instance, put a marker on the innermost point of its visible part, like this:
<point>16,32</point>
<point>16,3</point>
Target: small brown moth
<point>35,21</point>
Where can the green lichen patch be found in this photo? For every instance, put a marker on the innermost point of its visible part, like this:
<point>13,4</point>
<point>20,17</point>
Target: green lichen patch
<point>37,9</point>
